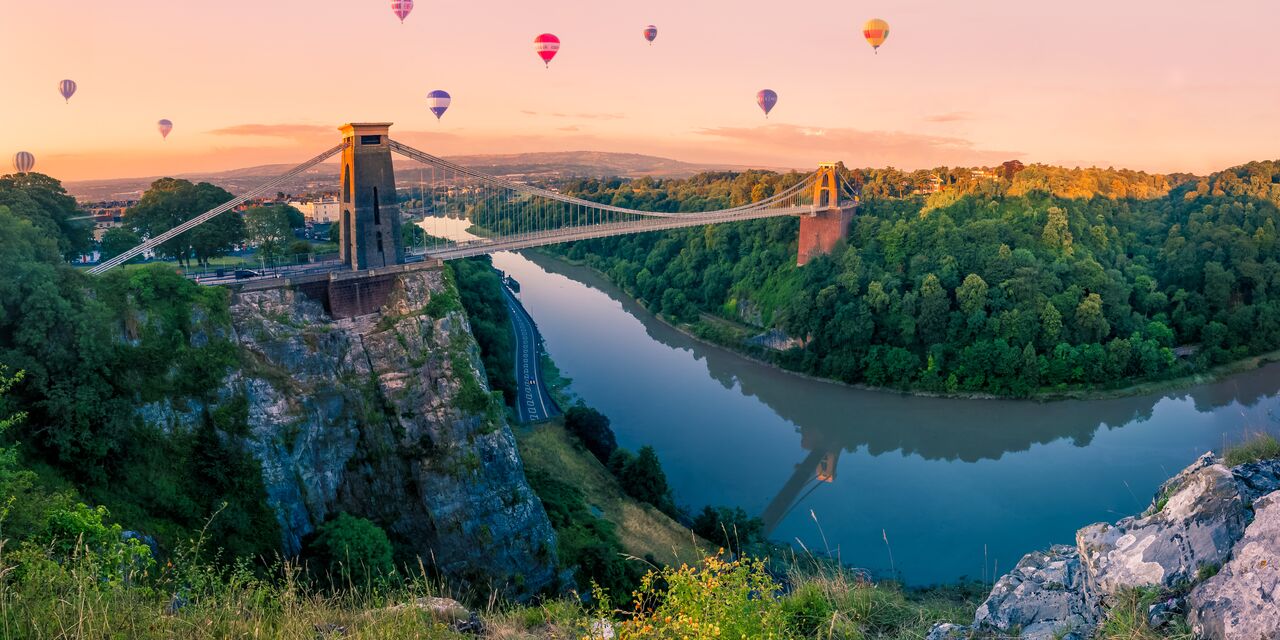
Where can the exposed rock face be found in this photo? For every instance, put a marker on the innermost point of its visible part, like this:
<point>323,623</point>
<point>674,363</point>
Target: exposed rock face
<point>1257,479</point>
<point>1200,520</point>
<point>1242,602</point>
<point>388,417</point>
<point>1044,596</point>
<point>1196,520</point>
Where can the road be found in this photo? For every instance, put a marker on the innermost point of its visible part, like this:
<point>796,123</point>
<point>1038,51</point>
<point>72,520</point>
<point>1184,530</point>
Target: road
<point>533,402</point>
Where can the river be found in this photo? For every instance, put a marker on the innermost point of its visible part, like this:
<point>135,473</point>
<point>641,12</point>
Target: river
<point>958,488</point>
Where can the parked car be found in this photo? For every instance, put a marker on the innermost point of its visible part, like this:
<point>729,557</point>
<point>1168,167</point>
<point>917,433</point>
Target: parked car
<point>241,274</point>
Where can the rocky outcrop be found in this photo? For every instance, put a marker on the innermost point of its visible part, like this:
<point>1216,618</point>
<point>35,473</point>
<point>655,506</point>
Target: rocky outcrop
<point>1200,518</point>
<point>388,417</point>
<point>1196,523</point>
<point>1044,596</point>
<point>1242,602</point>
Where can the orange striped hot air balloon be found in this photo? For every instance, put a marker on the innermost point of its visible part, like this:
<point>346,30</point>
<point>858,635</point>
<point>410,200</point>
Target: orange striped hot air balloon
<point>876,31</point>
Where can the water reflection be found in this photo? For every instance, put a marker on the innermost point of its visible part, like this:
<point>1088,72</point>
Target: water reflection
<point>951,482</point>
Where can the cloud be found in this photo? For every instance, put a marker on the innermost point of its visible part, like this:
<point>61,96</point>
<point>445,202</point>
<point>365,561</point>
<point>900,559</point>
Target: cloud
<point>790,144</point>
<point>286,131</point>
<point>952,116</point>
<point>528,113</point>
<point>589,116</point>
<point>572,127</point>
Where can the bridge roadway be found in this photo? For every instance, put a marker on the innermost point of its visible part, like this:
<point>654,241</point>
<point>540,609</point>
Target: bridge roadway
<point>533,401</point>
<point>483,246</point>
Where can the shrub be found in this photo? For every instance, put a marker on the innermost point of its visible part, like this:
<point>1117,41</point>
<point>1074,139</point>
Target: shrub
<point>728,527</point>
<point>719,599</point>
<point>592,428</point>
<point>642,478</point>
<point>350,551</point>
<point>1262,446</point>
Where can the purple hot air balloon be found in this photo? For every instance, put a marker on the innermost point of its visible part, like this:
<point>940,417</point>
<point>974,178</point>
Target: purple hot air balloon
<point>164,126</point>
<point>67,88</point>
<point>401,8</point>
<point>23,162</point>
<point>650,33</point>
<point>766,98</point>
<point>438,102</point>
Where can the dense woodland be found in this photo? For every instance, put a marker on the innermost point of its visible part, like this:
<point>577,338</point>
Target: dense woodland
<point>1009,281</point>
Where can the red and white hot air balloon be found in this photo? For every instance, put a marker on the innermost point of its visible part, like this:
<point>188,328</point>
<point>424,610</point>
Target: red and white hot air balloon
<point>546,45</point>
<point>401,8</point>
<point>23,162</point>
<point>67,88</point>
<point>650,33</point>
<point>164,126</point>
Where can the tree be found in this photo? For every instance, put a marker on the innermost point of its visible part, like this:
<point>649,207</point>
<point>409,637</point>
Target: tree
<point>117,240</point>
<point>1057,232</point>
<point>643,479</point>
<point>934,307</point>
<point>1090,321</point>
<point>43,202</point>
<point>591,428</point>
<point>972,295</point>
<point>269,229</point>
<point>350,550</point>
<point>170,202</point>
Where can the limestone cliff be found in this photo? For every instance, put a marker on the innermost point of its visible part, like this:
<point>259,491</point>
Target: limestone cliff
<point>388,417</point>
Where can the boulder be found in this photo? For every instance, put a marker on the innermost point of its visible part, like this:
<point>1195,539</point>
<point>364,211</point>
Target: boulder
<point>948,631</point>
<point>1242,602</point>
<point>1195,520</point>
<point>1257,479</point>
<point>1044,596</point>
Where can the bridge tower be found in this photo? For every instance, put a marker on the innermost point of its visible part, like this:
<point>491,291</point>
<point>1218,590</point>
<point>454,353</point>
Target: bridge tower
<point>370,220</point>
<point>827,222</point>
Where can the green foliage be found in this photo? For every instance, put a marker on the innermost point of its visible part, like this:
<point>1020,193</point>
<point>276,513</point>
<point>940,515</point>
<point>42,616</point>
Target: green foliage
<point>1262,446</point>
<point>479,290</point>
<point>117,240</point>
<point>170,202</point>
<point>271,228</point>
<point>41,201</point>
<point>641,477</point>
<point>587,544</point>
<point>350,551</point>
<point>716,599</point>
<point>592,429</point>
<point>1126,618</point>
<point>729,528</point>
<point>1018,281</point>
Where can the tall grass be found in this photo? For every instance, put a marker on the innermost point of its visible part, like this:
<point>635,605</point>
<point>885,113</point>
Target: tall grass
<point>1262,446</point>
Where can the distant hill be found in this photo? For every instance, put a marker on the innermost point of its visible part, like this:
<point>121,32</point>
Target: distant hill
<point>324,177</point>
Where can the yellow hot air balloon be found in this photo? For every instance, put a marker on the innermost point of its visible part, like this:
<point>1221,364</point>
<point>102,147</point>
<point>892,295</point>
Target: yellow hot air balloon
<point>876,31</point>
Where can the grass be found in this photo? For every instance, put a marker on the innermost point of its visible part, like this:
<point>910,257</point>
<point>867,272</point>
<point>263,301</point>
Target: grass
<point>1262,446</point>
<point>1127,619</point>
<point>642,529</point>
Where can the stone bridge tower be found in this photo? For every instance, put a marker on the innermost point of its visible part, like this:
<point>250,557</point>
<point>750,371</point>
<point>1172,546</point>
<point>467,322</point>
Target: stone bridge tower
<point>370,220</point>
<point>827,223</point>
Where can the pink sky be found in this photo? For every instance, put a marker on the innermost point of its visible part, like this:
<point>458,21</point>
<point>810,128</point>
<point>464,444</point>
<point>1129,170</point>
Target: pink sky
<point>1169,86</point>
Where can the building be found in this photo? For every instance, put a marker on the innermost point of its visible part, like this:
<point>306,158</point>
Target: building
<point>106,215</point>
<point>321,210</point>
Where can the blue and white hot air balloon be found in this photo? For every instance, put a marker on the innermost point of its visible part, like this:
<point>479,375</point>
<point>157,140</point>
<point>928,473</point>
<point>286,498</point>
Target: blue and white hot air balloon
<point>67,88</point>
<point>438,101</point>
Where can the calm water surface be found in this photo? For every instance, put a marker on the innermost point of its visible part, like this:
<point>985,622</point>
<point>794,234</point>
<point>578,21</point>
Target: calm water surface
<point>941,479</point>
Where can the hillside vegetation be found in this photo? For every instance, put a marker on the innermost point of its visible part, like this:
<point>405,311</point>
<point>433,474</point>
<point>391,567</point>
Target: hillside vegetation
<point>1010,281</point>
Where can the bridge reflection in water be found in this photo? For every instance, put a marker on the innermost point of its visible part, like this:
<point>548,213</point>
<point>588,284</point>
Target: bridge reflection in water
<point>944,476</point>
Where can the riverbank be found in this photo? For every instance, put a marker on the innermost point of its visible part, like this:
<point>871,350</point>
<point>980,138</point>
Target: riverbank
<point>707,334</point>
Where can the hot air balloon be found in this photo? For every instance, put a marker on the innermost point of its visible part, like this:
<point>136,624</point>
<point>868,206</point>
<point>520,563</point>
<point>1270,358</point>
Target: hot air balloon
<point>438,102</point>
<point>67,88</point>
<point>401,8</point>
<point>23,162</point>
<point>546,45</point>
<point>876,31</point>
<point>766,98</point>
<point>164,126</point>
<point>650,33</point>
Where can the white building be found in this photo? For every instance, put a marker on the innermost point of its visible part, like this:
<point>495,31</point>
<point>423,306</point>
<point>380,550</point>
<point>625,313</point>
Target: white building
<point>322,210</point>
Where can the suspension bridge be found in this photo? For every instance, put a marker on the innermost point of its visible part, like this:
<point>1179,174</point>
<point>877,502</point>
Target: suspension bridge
<point>507,215</point>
